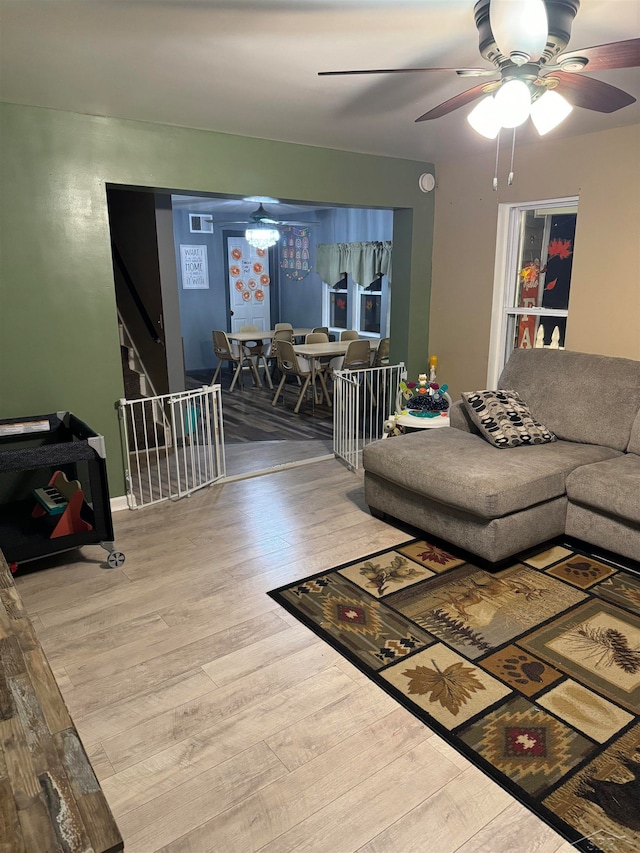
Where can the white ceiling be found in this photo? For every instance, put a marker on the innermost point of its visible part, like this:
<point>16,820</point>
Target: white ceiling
<point>223,209</point>
<point>250,66</point>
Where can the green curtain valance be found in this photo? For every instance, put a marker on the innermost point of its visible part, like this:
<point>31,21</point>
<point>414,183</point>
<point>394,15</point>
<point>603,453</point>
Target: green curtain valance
<point>363,261</point>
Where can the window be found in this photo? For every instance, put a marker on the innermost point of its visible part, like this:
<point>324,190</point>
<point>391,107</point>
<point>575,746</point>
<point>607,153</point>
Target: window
<point>534,258</point>
<point>351,307</point>
<point>370,309</point>
<point>339,309</point>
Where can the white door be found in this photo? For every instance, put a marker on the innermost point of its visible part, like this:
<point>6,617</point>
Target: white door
<point>249,284</point>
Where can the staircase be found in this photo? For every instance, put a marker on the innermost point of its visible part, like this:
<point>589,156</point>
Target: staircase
<point>148,429</point>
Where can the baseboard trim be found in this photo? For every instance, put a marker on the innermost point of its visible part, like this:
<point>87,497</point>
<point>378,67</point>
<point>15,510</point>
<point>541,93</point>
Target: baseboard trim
<point>119,503</point>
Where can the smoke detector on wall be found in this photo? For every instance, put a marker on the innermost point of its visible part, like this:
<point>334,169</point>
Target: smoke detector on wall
<point>426,182</point>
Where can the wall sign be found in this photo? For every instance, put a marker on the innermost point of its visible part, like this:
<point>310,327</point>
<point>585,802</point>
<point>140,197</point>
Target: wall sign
<point>194,266</point>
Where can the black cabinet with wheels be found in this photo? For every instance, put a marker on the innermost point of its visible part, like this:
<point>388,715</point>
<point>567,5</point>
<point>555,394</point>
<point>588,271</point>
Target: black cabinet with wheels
<point>54,494</point>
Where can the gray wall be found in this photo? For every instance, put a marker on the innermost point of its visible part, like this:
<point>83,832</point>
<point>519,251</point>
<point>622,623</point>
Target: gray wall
<point>352,225</point>
<point>201,311</point>
<point>300,302</point>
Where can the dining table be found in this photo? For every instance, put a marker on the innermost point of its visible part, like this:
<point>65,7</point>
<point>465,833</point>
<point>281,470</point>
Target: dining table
<point>243,338</point>
<point>265,334</point>
<point>329,349</point>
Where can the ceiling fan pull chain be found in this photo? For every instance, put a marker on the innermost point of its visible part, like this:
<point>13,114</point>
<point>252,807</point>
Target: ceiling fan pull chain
<point>495,172</point>
<point>513,149</point>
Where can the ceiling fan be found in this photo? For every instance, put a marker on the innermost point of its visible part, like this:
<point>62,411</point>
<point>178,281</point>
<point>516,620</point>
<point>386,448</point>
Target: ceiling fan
<point>262,230</point>
<point>257,217</point>
<point>525,40</point>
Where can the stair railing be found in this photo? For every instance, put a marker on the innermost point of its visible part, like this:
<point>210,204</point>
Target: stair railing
<point>126,277</point>
<point>159,414</point>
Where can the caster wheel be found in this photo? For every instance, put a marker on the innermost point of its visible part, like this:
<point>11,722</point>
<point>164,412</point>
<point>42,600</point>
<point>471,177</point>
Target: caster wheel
<point>115,559</point>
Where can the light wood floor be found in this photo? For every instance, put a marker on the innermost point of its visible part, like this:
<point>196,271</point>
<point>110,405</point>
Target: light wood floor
<point>216,722</point>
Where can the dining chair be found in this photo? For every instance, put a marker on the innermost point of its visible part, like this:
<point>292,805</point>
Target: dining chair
<point>381,355</point>
<point>324,329</point>
<point>258,350</point>
<point>278,335</point>
<point>279,326</point>
<point>358,357</point>
<point>337,361</point>
<point>232,353</point>
<point>380,358</point>
<point>290,364</point>
<point>321,364</point>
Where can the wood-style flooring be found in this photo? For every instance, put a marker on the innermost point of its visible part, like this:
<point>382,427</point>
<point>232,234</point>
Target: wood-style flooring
<point>216,722</point>
<point>259,436</point>
<point>249,415</point>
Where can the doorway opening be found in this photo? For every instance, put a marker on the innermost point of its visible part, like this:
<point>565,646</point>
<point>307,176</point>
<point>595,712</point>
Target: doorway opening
<point>182,247</point>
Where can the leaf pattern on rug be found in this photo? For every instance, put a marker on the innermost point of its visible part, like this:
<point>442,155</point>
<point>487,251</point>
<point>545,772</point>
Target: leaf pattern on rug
<point>436,555</point>
<point>450,687</point>
<point>397,571</point>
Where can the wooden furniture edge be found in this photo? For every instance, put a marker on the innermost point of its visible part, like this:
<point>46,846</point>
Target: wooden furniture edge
<point>50,798</point>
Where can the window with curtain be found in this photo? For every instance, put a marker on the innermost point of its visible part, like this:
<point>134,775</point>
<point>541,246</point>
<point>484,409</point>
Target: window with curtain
<point>357,266</point>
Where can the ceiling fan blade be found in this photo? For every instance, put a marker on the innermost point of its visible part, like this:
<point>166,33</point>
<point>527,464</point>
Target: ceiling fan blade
<point>455,103</point>
<point>248,222</point>
<point>617,54</point>
<point>467,72</point>
<point>589,93</point>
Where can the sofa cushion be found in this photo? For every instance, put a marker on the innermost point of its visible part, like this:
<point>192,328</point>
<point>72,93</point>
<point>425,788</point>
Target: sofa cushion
<point>592,399</point>
<point>463,470</point>
<point>459,417</point>
<point>504,419</point>
<point>612,486</point>
<point>634,441</point>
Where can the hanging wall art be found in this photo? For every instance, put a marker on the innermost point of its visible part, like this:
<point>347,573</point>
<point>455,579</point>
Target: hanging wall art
<point>295,257</point>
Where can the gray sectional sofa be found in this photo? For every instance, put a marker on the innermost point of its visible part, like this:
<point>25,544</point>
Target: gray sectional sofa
<point>495,502</point>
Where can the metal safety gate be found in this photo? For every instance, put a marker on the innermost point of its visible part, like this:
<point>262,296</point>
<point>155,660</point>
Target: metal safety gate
<point>362,402</point>
<point>173,444</point>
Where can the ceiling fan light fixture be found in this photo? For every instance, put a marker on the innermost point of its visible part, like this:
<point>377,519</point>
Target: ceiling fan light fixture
<point>520,28</point>
<point>484,118</point>
<point>513,103</point>
<point>261,236</point>
<point>548,111</point>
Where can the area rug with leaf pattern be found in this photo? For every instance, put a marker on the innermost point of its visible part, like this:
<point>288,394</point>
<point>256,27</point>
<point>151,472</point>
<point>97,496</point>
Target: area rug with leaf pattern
<point>532,672</point>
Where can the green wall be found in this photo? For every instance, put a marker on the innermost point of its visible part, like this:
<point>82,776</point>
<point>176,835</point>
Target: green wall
<point>58,328</point>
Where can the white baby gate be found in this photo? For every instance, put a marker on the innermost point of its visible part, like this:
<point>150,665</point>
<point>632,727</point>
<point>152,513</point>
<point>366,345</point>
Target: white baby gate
<point>173,444</point>
<point>362,402</point>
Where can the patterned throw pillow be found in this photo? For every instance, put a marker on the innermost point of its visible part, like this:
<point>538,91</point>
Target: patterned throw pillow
<point>504,419</point>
